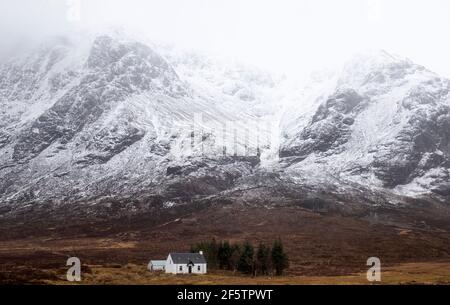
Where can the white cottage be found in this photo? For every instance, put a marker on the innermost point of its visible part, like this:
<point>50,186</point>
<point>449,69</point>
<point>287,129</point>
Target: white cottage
<point>186,263</point>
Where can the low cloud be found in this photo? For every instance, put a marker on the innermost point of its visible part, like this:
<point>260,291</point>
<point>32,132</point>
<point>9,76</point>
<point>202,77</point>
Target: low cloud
<point>286,35</point>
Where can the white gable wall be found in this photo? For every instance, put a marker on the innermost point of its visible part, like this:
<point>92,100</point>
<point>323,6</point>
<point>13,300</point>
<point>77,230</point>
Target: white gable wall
<point>170,266</point>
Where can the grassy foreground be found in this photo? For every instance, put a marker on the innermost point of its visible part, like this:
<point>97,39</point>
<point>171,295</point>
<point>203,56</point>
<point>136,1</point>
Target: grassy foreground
<point>410,273</point>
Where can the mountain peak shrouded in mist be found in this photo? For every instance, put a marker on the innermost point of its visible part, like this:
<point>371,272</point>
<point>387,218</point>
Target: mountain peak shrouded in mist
<point>114,117</point>
<point>376,57</point>
<point>376,66</point>
<point>383,122</point>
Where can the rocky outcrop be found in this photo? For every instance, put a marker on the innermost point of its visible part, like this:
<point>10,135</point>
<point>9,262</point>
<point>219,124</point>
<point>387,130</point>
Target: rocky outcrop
<point>388,118</point>
<point>330,126</point>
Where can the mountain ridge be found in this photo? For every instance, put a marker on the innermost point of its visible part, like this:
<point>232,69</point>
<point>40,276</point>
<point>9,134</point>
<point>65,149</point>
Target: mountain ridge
<point>112,120</point>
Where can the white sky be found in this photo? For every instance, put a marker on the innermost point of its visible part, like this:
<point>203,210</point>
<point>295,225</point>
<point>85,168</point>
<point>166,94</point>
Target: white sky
<point>293,36</point>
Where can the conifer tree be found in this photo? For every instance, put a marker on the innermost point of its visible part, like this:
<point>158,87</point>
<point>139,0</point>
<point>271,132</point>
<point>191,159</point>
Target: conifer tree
<point>280,260</point>
<point>224,255</point>
<point>263,259</point>
<point>245,264</point>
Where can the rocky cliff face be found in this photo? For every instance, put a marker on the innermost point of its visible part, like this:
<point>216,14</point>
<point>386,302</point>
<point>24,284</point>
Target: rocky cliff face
<point>107,121</point>
<point>383,124</point>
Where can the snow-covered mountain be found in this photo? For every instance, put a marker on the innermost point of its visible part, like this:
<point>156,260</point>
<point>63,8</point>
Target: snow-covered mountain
<point>105,119</point>
<point>383,121</point>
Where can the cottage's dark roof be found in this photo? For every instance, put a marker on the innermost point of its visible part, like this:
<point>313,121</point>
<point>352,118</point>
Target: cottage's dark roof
<point>185,258</point>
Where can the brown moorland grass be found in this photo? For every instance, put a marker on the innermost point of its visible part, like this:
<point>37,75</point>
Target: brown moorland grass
<point>411,273</point>
<point>322,248</point>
